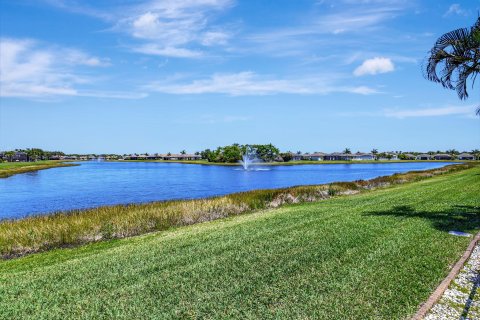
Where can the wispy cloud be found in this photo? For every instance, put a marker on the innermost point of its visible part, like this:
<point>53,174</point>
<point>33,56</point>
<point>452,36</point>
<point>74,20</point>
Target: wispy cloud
<point>374,66</point>
<point>169,28</point>
<point>250,83</point>
<point>431,112</point>
<point>455,9</point>
<point>175,28</point>
<point>29,68</point>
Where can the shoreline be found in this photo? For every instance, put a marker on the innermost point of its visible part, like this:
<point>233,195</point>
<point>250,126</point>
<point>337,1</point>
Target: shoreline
<point>19,237</point>
<point>293,163</point>
<point>9,169</point>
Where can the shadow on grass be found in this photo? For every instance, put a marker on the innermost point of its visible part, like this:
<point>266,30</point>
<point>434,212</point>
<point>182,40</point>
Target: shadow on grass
<point>458,218</point>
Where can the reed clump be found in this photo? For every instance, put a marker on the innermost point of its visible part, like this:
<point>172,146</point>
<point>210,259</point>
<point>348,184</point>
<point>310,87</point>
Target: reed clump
<point>76,227</point>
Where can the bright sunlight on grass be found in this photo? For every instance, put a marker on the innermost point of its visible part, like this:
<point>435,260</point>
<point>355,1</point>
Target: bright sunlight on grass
<point>375,255</point>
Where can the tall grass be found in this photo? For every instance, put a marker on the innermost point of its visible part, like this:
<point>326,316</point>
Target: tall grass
<point>71,228</point>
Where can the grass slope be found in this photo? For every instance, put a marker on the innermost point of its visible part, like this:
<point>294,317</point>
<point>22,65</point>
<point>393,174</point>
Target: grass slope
<point>8,169</point>
<point>375,255</point>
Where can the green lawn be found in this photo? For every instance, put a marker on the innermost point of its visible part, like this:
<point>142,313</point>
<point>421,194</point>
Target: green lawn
<point>376,255</point>
<point>8,169</point>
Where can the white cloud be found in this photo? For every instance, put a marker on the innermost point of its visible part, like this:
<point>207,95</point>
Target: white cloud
<point>31,69</point>
<point>431,112</point>
<point>374,66</point>
<point>156,50</point>
<point>175,28</point>
<point>455,9</point>
<point>249,83</point>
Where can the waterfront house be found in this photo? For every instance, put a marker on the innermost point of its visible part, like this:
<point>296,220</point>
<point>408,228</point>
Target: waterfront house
<point>359,156</point>
<point>409,156</point>
<point>316,156</point>
<point>466,156</point>
<point>337,156</point>
<point>442,156</point>
<point>297,157</point>
<point>20,156</point>
<point>423,156</point>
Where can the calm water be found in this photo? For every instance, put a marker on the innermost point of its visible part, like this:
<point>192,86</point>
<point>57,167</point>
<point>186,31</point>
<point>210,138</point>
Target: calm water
<point>103,183</point>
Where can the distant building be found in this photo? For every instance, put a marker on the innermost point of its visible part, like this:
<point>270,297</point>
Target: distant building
<point>157,156</point>
<point>409,156</point>
<point>442,156</point>
<point>359,156</point>
<point>466,156</point>
<point>316,156</point>
<point>337,156</point>
<point>20,156</point>
<point>423,156</point>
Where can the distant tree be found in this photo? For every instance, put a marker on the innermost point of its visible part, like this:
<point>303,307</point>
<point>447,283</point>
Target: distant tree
<point>9,155</point>
<point>374,151</point>
<point>286,156</point>
<point>183,152</point>
<point>231,153</point>
<point>457,55</point>
<point>452,152</point>
<point>299,152</point>
<point>169,154</point>
<point>266,152</point>
<point>208,155</point>
<point>347,151</point>
<point>34,154</point>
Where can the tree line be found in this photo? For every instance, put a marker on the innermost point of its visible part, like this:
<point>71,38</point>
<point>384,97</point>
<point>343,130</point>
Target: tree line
<point>31,154</point>
<point>233,153</point>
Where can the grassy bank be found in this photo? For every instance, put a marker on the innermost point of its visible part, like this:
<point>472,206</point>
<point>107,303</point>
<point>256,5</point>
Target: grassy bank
<point>375,255</point>
<point>8,169</point>
<point>292,163</point>
<point>73,228</point>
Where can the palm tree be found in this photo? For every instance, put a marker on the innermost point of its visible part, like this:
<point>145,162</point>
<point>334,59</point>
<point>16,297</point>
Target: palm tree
<point>457,53</point>
<point>347,151</point>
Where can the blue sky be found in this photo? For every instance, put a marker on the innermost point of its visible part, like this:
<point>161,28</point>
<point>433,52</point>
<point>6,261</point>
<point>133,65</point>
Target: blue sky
<point>162,76</point>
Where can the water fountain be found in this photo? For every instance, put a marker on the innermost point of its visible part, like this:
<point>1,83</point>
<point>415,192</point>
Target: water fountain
<point>248,158</point>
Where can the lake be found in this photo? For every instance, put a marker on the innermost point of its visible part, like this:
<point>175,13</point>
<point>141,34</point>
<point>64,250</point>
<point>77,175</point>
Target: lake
<point>105,183</point>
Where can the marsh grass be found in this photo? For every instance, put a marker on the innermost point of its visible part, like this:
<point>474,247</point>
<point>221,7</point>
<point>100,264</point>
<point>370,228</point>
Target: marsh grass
<point>8,169</point>
<point>76,227</point>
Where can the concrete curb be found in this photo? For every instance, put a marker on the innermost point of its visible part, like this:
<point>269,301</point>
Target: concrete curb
<point>437,294</point>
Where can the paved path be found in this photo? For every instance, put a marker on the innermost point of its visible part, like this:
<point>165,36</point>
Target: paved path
<point>462,298</point>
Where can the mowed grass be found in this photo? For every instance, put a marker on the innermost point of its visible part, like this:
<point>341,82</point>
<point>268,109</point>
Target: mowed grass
<point>375,255</point>
<point>8,169</point>
<point>77,227</point>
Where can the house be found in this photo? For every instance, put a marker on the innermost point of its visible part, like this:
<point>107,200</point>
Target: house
<point>442,156</point>
<point>359,156</point>
<point>337,156</point>
<point>423,156</point>
<point>408,156</point>
<point>392,155</point>
<point>466,156</point>
<point>297,157</point>
<point>316,156</point>
<point>388,156</point>
<point>20,156</point>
